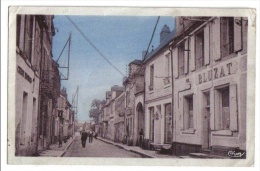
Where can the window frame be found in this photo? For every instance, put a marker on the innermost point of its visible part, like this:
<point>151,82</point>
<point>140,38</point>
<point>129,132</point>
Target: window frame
<point>221,120</point>
<point>188,112</point>
<point>181,59</point>
<point>227,36</point>
<point>200,58</point>
<point>151,110</point>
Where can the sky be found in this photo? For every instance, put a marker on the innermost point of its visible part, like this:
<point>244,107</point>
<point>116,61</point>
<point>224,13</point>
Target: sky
<point>120,38</point>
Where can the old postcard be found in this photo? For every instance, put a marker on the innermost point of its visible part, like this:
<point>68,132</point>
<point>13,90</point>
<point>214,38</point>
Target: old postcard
<point>131,86</point>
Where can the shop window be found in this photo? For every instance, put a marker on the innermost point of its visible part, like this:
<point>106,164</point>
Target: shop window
<point>168,123</point>
<point>227,36</point>
<point>152,123</point>
<point>151,77</point>
<point>223,115</point>
<point>188,112</point>
<point>199,49</point>
<point>181,59</point>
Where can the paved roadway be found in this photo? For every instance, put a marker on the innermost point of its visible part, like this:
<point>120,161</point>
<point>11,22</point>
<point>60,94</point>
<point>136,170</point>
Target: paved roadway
<point>97,148</point>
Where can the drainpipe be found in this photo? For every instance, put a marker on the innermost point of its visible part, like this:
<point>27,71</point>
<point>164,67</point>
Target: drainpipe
<point>172,107</point>
<point>145,131</point>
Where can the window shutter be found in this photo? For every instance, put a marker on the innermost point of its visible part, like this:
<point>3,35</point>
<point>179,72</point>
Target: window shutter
<point>216,39</point>
<point>175,62</point>
<point>206,45</point>
<point>192,53</point>
<point>237,34</point>
<point>186,56</point>
<point>233,107</point>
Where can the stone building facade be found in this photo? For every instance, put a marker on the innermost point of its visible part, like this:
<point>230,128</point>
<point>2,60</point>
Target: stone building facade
<point>134,111</point>
<point>33,50</point>
<point>158,93</point>
<point>210,77</point>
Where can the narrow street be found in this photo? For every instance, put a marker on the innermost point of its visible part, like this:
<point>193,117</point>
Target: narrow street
<point>97,149</point>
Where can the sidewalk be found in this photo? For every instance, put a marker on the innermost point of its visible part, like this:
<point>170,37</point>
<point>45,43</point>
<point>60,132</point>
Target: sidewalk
<point>138,150</point>
<point>56,151</point>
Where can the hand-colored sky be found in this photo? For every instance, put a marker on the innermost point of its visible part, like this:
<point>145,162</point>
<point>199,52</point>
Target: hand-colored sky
<point>120,38</point>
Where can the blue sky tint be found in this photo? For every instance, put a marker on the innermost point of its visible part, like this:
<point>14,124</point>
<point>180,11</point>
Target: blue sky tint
<point>120,38</point>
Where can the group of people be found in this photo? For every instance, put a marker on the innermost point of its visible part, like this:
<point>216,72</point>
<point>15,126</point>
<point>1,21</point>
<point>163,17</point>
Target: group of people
<point>85,135</point>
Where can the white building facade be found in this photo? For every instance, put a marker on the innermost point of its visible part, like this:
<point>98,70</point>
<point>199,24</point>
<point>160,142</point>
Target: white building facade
<point>210,80</point>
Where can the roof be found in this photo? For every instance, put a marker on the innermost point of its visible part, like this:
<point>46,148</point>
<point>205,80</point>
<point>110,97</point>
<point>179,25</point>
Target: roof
<point>166,41</point>
<point>136,61</point>
<point>117,88</point>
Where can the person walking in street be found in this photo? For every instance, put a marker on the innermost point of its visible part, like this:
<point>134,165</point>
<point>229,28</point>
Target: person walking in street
<point>90,136</point>
<point>84,137</point>
<point>141,137</point>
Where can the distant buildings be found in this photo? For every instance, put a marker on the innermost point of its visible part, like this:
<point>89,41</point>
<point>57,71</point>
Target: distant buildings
<point>189,94</point>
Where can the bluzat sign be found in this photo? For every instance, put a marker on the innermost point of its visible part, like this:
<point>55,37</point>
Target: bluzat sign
<point>217,72</point>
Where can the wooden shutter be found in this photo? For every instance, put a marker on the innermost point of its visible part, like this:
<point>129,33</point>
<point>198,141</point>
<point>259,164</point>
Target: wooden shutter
<point>233,107</point>
<point>237,34</point>
<point>192,53</point>
<point>186,56</point>
<point>175,62</point>
<point>206,45</point>
<point>216,40</point>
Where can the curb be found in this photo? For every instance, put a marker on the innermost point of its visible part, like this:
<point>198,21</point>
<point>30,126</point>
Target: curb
<point>66,148</point>
<point>142,154</point>
<point>122,147</point>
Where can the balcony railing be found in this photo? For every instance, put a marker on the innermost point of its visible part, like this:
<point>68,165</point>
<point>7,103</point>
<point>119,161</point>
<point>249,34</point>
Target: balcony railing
<point>47,82</point>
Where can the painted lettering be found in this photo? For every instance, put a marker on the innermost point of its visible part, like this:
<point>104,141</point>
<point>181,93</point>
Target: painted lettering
<point>20,71</point>
<point>204,78</point>
<point>222,73</point>
<point>210,75</point>
<point>229,65</point>
<point>24,74</point>
<point>216,72</point>
<point>200,79</point>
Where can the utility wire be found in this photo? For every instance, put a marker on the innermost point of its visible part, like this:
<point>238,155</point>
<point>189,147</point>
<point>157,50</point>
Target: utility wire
<point>100,53</point>
<point>141,67</point>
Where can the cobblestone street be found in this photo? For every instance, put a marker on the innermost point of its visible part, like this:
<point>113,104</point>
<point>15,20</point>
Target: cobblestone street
<point>97,149</point>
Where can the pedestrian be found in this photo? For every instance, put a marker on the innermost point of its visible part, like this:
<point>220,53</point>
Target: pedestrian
<point>90,136</point>
<point>141,137</point>
<point>84,137</point>
<point>95,135</point>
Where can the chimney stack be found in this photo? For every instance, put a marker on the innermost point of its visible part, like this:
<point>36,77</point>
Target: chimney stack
<point>164,33</point>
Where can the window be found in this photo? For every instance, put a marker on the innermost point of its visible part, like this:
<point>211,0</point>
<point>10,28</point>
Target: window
<point>222,98</point>
<point>18,30</point>
<point>188,112</point>
<point>181,59</point>
<point>152,124</point>
<point>151,77</point>
<point>199,49</point>
<point>168,123</point>
<point>28,36</point>
<point>227,36</point>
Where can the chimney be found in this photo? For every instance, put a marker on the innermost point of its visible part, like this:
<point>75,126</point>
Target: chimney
<point>164,33</point>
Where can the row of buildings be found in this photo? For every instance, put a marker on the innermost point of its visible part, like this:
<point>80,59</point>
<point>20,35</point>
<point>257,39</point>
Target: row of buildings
<point>189,94</point>
<point>43,114</point>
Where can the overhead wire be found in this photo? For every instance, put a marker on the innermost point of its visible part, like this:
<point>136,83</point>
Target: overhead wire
<point>99,52</point>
